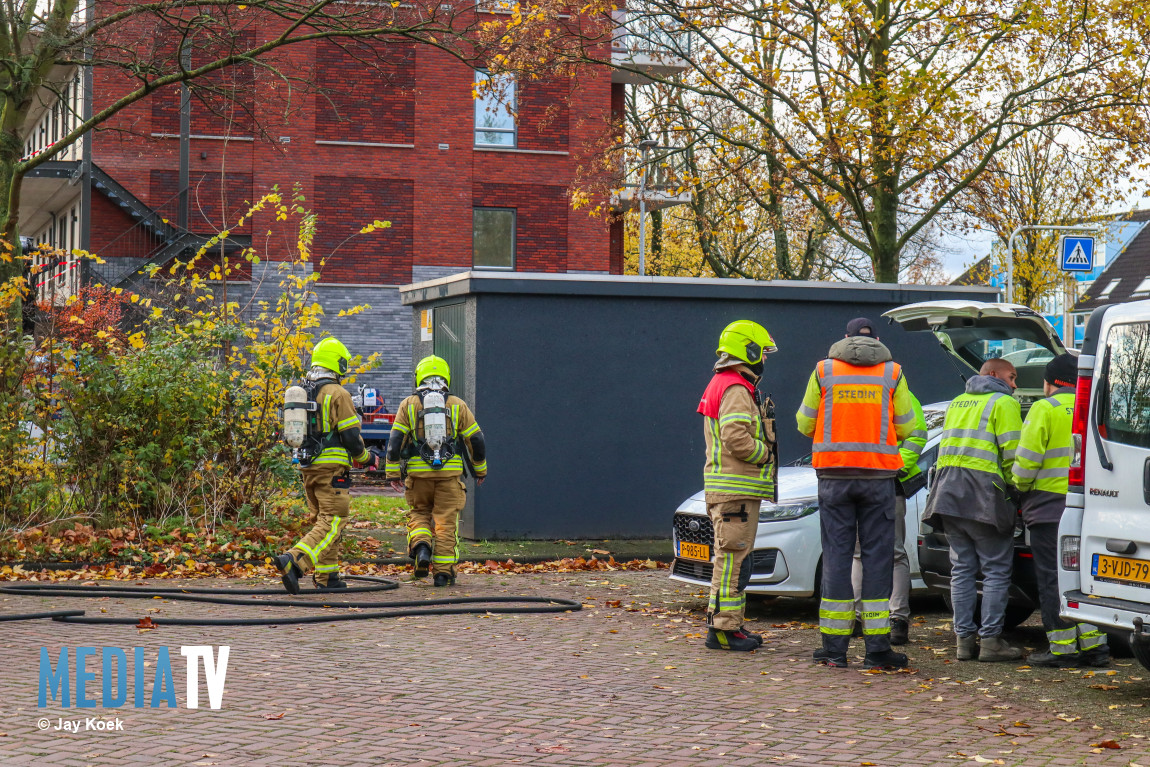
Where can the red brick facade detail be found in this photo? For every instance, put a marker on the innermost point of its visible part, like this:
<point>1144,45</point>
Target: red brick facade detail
<point>381,108</point>
<point>210,207</point>
<point>351,203</point>
<point>427,192</point>
<point>109,221</point>
<point>223,103</point>
<point>540,222</point>
<point>544,115</point>
<point>616,265</point>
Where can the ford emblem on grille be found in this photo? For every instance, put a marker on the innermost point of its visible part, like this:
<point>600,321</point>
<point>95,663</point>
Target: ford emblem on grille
<point>694,526</point>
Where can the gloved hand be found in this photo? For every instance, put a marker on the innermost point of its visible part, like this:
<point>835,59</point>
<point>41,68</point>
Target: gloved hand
<point>397,486</point>
<point>371,462</point>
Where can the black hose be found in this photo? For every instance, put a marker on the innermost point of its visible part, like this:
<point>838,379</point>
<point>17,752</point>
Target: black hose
<point>414,607</point>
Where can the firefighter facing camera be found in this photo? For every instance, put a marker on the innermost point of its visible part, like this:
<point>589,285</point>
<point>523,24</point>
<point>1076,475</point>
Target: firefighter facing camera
<point>741,468</point>
<point>434,439</point>
<point>321,424</point>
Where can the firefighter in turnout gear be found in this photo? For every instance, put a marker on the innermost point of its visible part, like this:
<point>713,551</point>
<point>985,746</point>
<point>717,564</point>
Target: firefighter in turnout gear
<point>972,495</point>
<point>434,437</point>
<point>857,410</point>
<point>326,471</point>
<point>1041,470</point>
<point>741,467</point>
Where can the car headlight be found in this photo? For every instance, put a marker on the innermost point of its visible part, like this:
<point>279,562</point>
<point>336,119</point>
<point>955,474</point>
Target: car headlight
<point>795,510</point>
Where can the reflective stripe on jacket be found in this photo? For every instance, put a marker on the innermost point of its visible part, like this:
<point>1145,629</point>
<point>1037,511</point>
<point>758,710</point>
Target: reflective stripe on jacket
<point>739,450</point>
<point>337,414</point>
<point>981,433</point>
<point>1042,460</point>
<point>857,415</point>
<point>911,447</point>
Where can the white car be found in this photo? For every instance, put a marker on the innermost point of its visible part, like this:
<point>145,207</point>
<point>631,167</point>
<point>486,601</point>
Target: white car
<point>788,550</point>
<point>1104,536</point>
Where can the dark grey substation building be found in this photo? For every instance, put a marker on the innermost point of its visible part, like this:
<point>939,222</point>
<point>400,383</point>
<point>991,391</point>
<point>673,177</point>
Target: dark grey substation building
<point>586,386</point>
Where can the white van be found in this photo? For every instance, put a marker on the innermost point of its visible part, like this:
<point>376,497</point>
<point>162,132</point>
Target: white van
<point>1104,537</point>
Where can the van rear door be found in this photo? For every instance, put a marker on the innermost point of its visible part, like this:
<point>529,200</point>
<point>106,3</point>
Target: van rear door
<point>1115,545</point>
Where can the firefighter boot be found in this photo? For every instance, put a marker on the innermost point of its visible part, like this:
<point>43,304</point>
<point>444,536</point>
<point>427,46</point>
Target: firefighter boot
<point>422,557</point>
<point>967,647</point>
<point>1094,658</point>
<point>995,649</point>
<point>334,583</point>
<point>443,579</point>
<point>291,572</point>
<point>717,639</point>
<point>887,659</point>
<point>757,637</point>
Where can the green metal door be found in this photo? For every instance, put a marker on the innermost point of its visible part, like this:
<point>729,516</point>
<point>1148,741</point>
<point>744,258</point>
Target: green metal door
<point>449,335</point>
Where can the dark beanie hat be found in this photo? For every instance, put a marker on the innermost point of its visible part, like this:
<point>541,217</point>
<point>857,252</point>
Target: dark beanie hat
<point>1062,370</point>
<point>856,327</point>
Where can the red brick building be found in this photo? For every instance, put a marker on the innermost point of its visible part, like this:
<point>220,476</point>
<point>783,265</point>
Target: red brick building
<point>464,182</point>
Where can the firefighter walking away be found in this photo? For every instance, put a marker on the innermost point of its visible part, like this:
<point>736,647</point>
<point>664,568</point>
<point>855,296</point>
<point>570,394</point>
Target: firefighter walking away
<point>321,423</point>
<point>434,438</point>
<point>741,467</point>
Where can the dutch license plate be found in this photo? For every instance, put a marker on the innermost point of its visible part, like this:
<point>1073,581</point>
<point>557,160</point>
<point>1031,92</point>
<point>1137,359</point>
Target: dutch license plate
<point>1121,569</point>
<point>695,551</point>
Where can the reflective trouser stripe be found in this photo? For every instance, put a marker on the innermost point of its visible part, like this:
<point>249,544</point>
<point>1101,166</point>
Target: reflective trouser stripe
<point>326,568</point>
<point>445,560</point>
<point>314,554</point>
<point>876,616</point>
<point>1063,641</point>
<point>1090,637</point>
<point>416,532</point>
<point>836,616</point>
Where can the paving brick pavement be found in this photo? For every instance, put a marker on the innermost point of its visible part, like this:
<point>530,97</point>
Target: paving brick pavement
<point>601,687</point>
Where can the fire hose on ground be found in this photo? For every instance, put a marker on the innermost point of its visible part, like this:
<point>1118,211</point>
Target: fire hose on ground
<point>331,602</point>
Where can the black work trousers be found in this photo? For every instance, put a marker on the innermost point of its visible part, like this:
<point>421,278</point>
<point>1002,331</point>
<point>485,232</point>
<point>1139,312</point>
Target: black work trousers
<point>1044,546</point>
<point>862,510</point>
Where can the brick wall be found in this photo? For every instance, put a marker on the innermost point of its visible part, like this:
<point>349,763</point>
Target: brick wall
<point>544,115</point>
<point>540,222</point>
<point>350,203</point>
<point>210,206</point>
<point>381,107</point>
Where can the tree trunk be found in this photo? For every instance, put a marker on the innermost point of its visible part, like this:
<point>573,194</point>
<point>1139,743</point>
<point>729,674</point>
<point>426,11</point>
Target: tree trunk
<point>883,228</point>
<point>656,237</point>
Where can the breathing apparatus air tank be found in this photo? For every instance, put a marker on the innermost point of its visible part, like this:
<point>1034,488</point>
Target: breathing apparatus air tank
<point>295,416</point>
<point>434,426</point>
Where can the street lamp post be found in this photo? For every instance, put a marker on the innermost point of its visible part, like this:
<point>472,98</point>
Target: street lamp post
<point>645,146</point>
<point>1034,227</point>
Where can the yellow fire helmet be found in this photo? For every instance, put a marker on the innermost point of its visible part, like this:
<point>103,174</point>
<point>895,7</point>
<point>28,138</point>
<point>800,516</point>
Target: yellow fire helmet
<point>331,354</point>
<point>432,366</point>
<point>747,341</point>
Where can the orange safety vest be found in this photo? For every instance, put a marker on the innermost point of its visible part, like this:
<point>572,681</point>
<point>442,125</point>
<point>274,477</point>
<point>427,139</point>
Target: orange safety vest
<point>854,427</point>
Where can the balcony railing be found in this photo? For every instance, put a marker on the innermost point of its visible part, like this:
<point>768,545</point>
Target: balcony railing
<point>58,121</point>
<point>648,33</point>
<point>667,181</point>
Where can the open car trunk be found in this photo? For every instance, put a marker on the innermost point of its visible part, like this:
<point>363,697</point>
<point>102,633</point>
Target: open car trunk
<point>973,332</point>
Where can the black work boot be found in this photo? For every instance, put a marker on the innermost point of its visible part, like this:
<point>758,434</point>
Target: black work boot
<point>887,659</point>
<point>830,658</point>
<point>717,639</point>
<point>757,637</point>
<point>1053,660</point>
<point>443,579</point>
<point>899,631</point>
<point>422,557</point>
<point>334,583</point>
<point>290,572</point>
<point>1096,658</point>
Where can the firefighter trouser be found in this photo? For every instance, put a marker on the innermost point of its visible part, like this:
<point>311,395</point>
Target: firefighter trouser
<point>1065,638</point>
<point>862,510</point>
<point>328,492</point>
<point>900,587</point>
<point>434,518</point>
<point>735,524</point>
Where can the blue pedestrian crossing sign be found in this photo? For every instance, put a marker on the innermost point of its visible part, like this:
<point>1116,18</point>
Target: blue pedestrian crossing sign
<point>1076,254</point>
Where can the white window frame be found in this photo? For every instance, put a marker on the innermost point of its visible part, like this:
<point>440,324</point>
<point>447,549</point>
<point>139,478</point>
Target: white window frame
<point>484,103</point>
